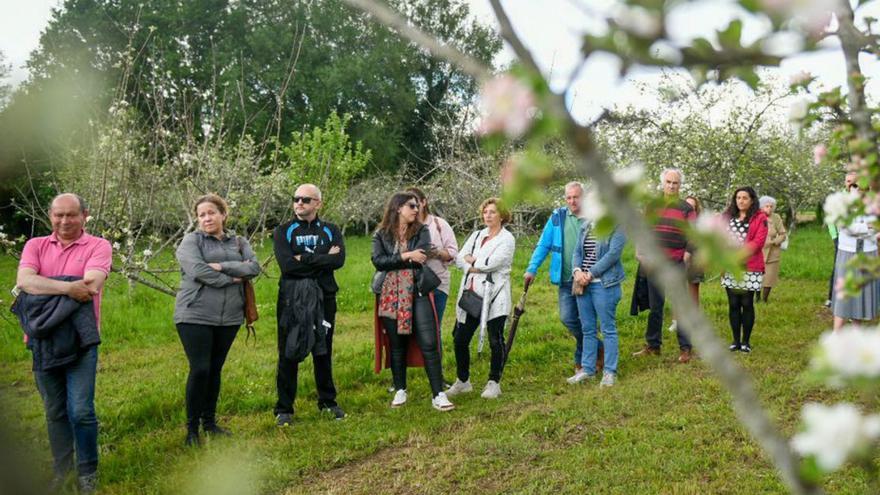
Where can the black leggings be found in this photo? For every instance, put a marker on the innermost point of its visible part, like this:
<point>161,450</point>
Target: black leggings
<point>424,330</point>
<point>464,333</point>
<point>742,314</point>
<point>206,347</point>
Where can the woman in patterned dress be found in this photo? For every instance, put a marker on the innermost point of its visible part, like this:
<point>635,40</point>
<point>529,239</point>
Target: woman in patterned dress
<point>747,225</point>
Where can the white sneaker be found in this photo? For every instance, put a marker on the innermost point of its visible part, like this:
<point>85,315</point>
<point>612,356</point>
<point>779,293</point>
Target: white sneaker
<point>441,402</point>
<point>608,380</point>
<point>399,398</point>
<point>492,390</point>
<point>459,387</point>
<point>579,377</point>
<point>674,326</point>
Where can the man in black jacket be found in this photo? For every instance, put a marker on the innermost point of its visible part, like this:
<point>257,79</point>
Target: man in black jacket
<point>307,250</point>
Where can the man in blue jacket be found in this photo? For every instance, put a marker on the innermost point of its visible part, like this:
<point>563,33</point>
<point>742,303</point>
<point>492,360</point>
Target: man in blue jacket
<point>558,240</point>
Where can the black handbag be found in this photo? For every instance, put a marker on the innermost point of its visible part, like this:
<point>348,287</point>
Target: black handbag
<point>427,281</point>
<point>471,303</point>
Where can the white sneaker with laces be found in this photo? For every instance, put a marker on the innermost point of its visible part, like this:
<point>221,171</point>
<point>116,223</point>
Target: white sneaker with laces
<point>459,387</point>
<point>579,377</point>
<point>492,390</point>
<point>441,402</point>
<point>608,380</point>
<point>399,398</point>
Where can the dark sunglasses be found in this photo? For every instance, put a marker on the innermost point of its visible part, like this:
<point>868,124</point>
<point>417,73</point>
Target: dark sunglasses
<point>303,199</point>
<point>414,206</point>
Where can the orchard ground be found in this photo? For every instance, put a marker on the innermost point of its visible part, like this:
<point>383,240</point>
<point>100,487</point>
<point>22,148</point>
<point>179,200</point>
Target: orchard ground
<point>664,428</point>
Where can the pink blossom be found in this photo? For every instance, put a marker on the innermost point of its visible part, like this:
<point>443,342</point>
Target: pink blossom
<point>819,153</point>
<point>508,106</point>
<point>508,172</point>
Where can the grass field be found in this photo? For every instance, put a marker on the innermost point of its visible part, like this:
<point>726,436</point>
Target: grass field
<point>665,428</point>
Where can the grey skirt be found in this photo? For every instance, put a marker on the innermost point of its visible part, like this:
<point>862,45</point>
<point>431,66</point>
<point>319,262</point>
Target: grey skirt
<point>862,306</point>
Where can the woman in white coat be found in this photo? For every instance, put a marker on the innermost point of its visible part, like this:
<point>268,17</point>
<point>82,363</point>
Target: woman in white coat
<point>486,259</point>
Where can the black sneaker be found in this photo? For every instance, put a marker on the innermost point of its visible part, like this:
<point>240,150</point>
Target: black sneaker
<point>284,419</point>
<point>745,348</point>
<point>734,347</point>
<point>335,411</point>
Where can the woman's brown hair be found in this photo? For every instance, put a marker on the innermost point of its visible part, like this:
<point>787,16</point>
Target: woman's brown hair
<point>503,212</point>
<point>214,199</point>
<point>390,224</point>
<point>698,205</point>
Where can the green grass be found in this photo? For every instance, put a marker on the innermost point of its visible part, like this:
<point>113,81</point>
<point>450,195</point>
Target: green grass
<point>665,428</point>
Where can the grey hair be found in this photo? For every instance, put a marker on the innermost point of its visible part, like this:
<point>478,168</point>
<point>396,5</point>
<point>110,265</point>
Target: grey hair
<point>676,170</point>
<point>317,190</point>
<point>83,205</point>
<point>766,200</point>
<point>574,183</point>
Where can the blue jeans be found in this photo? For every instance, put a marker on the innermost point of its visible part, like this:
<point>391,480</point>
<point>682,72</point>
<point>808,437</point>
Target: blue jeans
<point>599,303</point>
<point>569,314</point>
<point>68,394</point>
<point>440,299</point>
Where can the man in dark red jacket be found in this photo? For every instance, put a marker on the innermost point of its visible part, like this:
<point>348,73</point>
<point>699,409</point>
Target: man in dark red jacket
<point>669,230</point>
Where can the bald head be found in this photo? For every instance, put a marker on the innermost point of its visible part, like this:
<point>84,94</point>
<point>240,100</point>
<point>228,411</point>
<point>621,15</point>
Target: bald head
<point>66,199</point>
<point>307,202</point>
<point>67,213</point>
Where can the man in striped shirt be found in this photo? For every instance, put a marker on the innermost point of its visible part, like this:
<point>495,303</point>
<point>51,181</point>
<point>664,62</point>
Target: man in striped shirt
<point>669,229</point>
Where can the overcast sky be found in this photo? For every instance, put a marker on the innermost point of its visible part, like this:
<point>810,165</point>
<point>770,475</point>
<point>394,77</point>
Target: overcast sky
<point>551,28</point>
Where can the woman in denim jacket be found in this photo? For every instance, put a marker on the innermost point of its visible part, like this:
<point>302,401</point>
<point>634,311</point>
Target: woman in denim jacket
<point>596,267</point>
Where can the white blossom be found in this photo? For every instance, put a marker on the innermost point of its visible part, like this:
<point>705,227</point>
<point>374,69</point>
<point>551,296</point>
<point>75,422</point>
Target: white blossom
<point>592,207</point>
<point>639,21</point>
<point>629,176</point>
<point>798,110</point>
<point>851,352</point>
<point>811,15</point>
<point>837,206</point>
<point>833,434</point>
<point>116,246</point>
<point>508,106</point>
<point>800,77</point>
<point>147,253</point>
<point>206,129</point>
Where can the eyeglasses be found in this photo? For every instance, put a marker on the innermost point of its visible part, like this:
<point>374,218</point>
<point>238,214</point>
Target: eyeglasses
<point>303,199</point>
<point>413,206</point>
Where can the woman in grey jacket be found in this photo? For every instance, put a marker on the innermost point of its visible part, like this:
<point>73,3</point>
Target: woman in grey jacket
<point>209,308</point>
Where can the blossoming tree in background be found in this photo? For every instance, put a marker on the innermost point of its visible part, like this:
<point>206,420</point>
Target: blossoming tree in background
<point>636,32</point>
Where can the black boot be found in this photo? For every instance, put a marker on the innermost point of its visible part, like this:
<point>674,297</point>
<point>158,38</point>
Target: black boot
<point>192,434</point>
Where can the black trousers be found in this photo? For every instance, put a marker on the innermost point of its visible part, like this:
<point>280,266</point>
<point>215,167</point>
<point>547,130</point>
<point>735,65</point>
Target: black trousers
<point>424,330</point>
<point>464,333</point>
<point>741,304</point>
<point>654,332</point>
<point>287,374</point>
<point>206,347</point>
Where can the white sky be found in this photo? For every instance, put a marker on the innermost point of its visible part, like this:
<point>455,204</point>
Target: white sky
<point>551,29</point>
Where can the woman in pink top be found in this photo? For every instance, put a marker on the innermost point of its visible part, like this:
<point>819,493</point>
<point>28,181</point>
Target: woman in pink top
<point>445,249</point>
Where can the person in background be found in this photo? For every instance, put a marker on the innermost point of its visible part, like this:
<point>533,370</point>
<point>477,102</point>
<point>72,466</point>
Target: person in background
<point>776,235</point>
<point>558,240</point>
<point>486,259</point>
<point>747,224</point>
<point>308,251</point>
<point>856,239</point>
<point>404,312</point>
<point>693,273</point>
<point>209,307</point>
<point>597,275</point>
<point>669,229</point>
<point>66,381</point>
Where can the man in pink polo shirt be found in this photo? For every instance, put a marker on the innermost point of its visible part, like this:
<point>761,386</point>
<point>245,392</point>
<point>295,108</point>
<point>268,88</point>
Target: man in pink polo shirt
<point>68,391</point>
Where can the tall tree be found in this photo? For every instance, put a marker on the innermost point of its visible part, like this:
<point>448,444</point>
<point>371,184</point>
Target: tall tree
<point>261,67</point>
